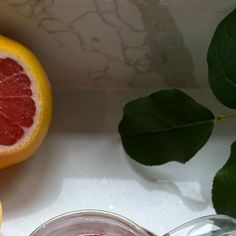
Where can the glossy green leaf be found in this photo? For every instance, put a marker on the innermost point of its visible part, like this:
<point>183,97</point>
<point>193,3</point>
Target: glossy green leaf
<point>224,187</point>
<point>166,126</point>
<point>222,61</point>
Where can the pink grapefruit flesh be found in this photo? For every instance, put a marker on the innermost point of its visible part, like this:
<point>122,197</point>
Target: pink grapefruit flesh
<point>17,108</point>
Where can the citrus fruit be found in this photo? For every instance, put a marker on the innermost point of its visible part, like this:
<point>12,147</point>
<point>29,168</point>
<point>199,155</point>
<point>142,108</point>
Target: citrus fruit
<point>25,103</point>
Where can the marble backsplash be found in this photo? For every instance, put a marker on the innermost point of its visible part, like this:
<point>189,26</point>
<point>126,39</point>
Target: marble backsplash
<point>117,43</point>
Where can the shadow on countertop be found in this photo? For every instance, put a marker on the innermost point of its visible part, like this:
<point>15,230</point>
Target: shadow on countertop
<point>83,144</point>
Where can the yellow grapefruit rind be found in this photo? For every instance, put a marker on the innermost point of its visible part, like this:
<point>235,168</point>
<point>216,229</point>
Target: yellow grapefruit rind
<point>18,154</point>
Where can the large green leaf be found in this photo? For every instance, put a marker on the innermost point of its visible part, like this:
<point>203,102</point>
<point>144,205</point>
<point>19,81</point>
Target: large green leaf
<point>222,61</point>
<point>224,187</point>
<point>166,126</point>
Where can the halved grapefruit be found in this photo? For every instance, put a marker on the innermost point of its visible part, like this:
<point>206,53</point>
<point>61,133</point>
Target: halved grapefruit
<point>25,103</point>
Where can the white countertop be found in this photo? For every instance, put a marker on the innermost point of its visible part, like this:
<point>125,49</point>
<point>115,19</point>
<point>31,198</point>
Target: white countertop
<point>81,165</point>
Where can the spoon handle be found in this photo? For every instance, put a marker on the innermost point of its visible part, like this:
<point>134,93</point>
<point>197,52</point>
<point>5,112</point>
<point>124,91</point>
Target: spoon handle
<point>213,225</point>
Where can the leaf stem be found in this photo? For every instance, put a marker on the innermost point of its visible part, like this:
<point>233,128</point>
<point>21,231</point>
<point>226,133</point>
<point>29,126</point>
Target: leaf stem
<point>222,117</point>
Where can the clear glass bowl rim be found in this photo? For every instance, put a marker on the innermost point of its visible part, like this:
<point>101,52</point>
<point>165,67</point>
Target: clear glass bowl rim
<point>102,213</point>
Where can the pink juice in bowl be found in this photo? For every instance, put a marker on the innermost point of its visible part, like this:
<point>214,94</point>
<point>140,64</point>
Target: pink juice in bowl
<point>89,223</point>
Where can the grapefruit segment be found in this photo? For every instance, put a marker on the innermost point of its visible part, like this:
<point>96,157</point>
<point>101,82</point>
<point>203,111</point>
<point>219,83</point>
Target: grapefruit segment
<point>25,103</point>
<point>18,85</point>
<point>9,133</point>
<point>19,110</point>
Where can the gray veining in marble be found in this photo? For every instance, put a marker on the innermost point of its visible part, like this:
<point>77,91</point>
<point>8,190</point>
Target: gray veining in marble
<point>102,43</point>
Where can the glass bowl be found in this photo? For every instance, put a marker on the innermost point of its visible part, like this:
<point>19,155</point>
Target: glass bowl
<point>89,223</point>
